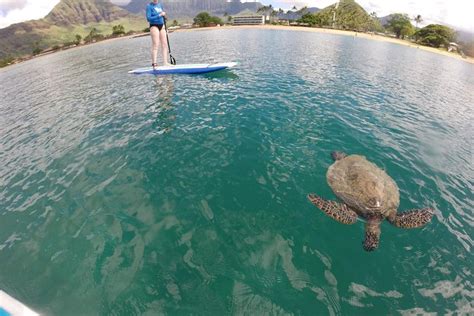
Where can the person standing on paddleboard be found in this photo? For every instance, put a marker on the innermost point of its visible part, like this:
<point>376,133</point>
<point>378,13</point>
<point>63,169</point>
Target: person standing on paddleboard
<point>156,17</point>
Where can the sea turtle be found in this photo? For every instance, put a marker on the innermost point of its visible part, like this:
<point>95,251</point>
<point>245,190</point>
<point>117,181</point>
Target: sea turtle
<point>366,191</point>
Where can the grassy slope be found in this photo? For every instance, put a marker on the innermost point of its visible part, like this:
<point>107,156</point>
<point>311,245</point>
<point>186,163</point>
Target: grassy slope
<point>23,41</point>
<point>349,15</point>
<point>56,35</point>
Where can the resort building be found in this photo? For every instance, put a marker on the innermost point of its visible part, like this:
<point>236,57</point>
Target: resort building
<point>253,19</point>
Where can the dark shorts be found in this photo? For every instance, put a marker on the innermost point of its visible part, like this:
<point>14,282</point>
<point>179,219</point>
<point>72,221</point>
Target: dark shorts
<point>159,26</point>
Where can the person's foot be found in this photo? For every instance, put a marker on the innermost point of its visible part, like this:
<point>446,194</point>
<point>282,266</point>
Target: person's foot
<point>167,64</point>
<point>154,66</point>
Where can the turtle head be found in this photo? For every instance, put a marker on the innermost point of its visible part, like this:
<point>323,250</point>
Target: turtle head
<point>374,196</point>
<point>372,235</point>
<point>338,155</point>
<point>375,204</point>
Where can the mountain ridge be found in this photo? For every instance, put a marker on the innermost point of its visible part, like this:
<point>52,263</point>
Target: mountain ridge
<point>66,19</point>
<point>349,15</point>
<point>179,9</point>
<point>68,12</point>
<point>71,17</point>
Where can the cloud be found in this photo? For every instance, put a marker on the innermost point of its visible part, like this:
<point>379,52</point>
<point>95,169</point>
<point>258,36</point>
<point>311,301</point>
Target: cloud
<point>15,11</point>
<point>8,5</point>
<point>456,13</point>
<point>120,2</point>
<point>23,10</point>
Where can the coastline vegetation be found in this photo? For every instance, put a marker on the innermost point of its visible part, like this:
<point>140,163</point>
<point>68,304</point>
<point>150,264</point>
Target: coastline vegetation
<point>348,16</point>
<point>352,17</point>
<point>204,19</point>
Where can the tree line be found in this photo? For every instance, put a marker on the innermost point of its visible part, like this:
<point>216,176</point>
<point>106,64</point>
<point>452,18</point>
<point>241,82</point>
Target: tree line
<point>434,35</point>
<point>354,17</point>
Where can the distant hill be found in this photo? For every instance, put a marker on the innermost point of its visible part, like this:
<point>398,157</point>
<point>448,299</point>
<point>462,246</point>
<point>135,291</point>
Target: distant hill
<point>385,19</point>
<point>71,17</point>
<point>188,9</point>
<point>68,18</point>
<point>349,15</point>
<point>465,36</point>
<point>296,14</point>
<point>69,12</point>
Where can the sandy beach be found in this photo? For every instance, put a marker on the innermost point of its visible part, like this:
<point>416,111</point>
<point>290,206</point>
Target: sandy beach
<point>339,32</point>
<point>286,28</point>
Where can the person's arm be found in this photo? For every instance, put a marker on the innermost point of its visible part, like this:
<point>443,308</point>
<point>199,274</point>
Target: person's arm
<point>150,13</point>
<point>163,13</point>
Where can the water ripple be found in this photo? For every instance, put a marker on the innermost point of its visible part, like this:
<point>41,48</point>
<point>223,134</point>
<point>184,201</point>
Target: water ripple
<point>187,194</point>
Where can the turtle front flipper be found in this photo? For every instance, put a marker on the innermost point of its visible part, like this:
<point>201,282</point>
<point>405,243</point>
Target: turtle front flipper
<point>338,211</point>
<point>412,218</point>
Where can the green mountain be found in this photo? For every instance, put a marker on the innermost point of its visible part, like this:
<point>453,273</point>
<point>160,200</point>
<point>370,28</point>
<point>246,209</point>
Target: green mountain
<point>69,12</point>
<point>349,16</point>
<point>68,18</point>
<point>188,9</point>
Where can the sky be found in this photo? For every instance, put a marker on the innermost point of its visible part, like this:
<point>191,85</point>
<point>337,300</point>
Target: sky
<point>456,13</point>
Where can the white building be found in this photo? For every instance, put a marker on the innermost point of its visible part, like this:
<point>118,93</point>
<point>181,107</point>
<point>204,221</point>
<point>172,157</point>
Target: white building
<point>248,19</point>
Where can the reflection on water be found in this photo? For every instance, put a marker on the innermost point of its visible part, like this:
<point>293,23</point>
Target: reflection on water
<point>224,74</point>
<point>129,195</point>
<point>163,109</point>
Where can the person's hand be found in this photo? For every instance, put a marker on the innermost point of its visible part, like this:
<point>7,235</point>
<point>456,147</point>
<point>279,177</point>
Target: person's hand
<point>163,13</point>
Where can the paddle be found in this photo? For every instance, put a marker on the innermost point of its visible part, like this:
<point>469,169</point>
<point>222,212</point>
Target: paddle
<point>172,60</point>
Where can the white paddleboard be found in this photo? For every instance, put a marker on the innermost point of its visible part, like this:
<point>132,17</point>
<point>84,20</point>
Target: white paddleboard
<point>183,69</point>
<point>11,307</point>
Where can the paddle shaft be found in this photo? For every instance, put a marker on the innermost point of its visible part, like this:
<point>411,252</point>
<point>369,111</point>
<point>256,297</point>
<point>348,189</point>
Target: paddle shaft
<point>172,60</point>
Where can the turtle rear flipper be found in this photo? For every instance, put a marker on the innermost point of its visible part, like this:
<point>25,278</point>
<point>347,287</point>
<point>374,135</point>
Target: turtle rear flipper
<point>338,211</point>
<point>412,218</point>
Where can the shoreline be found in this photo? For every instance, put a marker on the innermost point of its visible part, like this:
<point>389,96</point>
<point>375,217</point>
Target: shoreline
<point>375,37</point>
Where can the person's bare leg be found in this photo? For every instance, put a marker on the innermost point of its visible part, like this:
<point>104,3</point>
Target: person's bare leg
<point>164,46</point>
<point>155,39</point>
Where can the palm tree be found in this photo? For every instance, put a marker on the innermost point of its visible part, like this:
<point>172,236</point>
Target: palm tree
<point>273,14</point>
<point>263,9</point>
<point>267,10</point>
<point>417,20</point>
<point>303,10</point>
<point>336,6</point>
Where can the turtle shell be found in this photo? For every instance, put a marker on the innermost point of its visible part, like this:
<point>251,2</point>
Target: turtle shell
<point>363,186</point>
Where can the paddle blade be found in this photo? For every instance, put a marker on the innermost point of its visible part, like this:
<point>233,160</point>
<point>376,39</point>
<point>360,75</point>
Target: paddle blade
<point>172,60</point>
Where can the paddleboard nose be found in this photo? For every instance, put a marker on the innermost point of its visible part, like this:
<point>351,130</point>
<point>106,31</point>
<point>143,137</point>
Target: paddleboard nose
<point>12,307</point>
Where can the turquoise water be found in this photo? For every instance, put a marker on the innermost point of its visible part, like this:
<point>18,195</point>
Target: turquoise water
<point>127,195</point>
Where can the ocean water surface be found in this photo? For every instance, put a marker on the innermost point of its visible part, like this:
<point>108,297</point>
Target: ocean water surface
<point>129,195</point>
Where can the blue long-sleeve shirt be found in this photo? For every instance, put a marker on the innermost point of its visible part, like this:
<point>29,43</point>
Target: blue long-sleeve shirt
<point>153,13</point>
